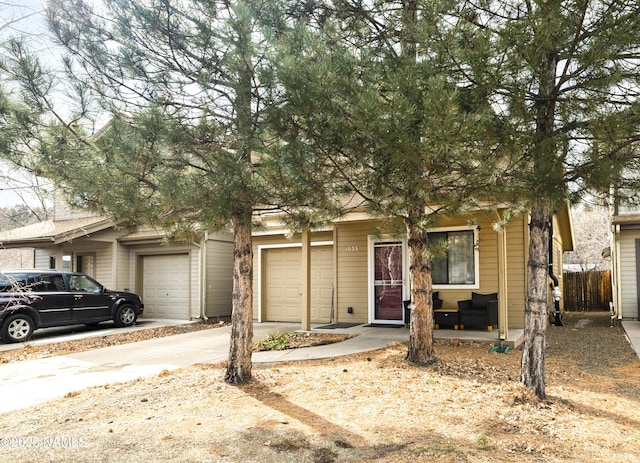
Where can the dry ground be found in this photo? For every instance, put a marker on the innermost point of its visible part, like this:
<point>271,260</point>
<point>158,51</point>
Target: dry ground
<point>468,407</point>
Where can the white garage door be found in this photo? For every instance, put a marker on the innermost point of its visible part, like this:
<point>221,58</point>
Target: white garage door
<point>166,286</point>
<point>282,284</point>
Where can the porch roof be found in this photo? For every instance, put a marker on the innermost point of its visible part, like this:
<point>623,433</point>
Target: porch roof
<point>566,228</point>
<point>52,232</point>
<point>627,219</point>
<point>142,236</point>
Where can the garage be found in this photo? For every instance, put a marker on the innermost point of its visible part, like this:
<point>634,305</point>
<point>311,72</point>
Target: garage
<point>283,283</point>
<point>166,286</point>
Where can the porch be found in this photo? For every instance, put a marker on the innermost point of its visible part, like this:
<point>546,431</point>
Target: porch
<point>401,334</point>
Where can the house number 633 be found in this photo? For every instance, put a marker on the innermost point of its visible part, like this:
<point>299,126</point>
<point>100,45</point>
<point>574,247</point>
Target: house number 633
<point>352,248</point>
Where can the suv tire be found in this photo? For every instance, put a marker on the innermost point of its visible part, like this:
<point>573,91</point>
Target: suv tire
<point>125,315</point>
<point>17,328</point>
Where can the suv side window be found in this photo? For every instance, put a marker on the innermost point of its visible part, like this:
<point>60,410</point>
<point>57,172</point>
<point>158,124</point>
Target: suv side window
<point>47,283</point>
<point>13,283</point>
<point>83,283</point>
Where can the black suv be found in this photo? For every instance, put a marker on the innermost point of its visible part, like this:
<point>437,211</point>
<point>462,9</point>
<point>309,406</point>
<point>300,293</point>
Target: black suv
<point>32,299</point>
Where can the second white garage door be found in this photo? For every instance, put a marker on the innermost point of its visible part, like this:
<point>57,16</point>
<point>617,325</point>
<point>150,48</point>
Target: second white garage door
<point>166,286</point>
<point>282,284</point>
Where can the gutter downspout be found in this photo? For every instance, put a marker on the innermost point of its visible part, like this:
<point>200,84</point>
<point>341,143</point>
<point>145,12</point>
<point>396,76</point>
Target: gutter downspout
<point>557,315</point>
<point>617,301</point>
<point>203,277</point>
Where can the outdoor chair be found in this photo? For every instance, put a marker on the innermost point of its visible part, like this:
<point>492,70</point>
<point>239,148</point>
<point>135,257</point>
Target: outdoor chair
<point>480,310</point>
<point>437,304</point>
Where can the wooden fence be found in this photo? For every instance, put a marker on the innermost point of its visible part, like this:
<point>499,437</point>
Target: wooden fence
<point>589,291</point>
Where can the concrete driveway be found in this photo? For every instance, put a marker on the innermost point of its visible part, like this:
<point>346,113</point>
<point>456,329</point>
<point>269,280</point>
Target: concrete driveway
<point>73,332</point>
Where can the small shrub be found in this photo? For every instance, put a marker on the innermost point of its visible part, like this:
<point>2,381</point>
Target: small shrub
<point>275,341</point>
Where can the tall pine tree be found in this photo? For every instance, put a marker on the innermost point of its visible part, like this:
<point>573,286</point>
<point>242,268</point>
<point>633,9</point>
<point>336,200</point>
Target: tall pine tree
<point>370,97</point>
<point>186,86</point>
<point>564,79</point>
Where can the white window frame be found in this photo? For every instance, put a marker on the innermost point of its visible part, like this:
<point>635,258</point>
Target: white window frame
<point>476,256</point>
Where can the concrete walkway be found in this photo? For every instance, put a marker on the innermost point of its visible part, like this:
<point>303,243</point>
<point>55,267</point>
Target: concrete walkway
<point>632,328</point>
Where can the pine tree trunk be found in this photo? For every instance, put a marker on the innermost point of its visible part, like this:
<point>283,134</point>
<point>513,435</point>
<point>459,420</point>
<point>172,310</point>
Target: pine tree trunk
<point>239,366</point>
<point>420,349</point>
<point>547,180</point>
<point>532,368</point>
<point>421,329</point>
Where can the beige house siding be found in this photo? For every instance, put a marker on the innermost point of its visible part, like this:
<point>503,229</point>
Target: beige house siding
<point>516,270</point>
<point>103,265</point>
<point>63,211</point>
<point>628,274</point>
<point>219,278</point>
<point>322,283</point>
<point>42,258</point>
<point>101,248</point>
<point>125,279</point>
<point>17,258</point>
<point>352,282</point>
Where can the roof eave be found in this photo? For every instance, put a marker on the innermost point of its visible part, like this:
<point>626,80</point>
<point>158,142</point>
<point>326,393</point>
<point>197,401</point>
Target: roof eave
<point>82,232</point>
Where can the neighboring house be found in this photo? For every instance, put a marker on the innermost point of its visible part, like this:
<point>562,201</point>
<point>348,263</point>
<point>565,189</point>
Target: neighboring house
<point>625,261</point>
<point>188,281</point>
<point>358,270</point>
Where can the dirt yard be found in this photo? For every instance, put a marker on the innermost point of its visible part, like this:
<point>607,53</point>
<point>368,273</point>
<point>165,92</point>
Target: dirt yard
<point>373,407</point>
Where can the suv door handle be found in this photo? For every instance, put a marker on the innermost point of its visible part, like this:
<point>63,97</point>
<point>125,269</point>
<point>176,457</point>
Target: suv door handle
<point>78,296</point>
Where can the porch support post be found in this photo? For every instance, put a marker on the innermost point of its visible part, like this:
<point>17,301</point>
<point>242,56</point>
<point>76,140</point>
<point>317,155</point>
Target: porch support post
<point>59,259</point>
<point>503,313</point>
<point>306,280</point>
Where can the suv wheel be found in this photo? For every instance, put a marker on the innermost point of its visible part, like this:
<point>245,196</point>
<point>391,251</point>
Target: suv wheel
<point>125,315</point>
<point>17,328</point>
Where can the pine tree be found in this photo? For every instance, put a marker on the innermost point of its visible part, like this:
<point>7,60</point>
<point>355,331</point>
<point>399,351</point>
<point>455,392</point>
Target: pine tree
<point>185,85</point>
<point>400,95</point>
<point>564,78</point>
<point>371,98</point>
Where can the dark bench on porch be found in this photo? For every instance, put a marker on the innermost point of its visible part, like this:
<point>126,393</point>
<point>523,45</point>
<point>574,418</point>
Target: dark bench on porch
<point>480,310</point>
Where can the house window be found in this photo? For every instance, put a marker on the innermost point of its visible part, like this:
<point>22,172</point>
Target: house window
<point>454,260</point>
<point>66,262</point>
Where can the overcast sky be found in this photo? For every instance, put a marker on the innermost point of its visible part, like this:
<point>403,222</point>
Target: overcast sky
<point>22,18</point>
